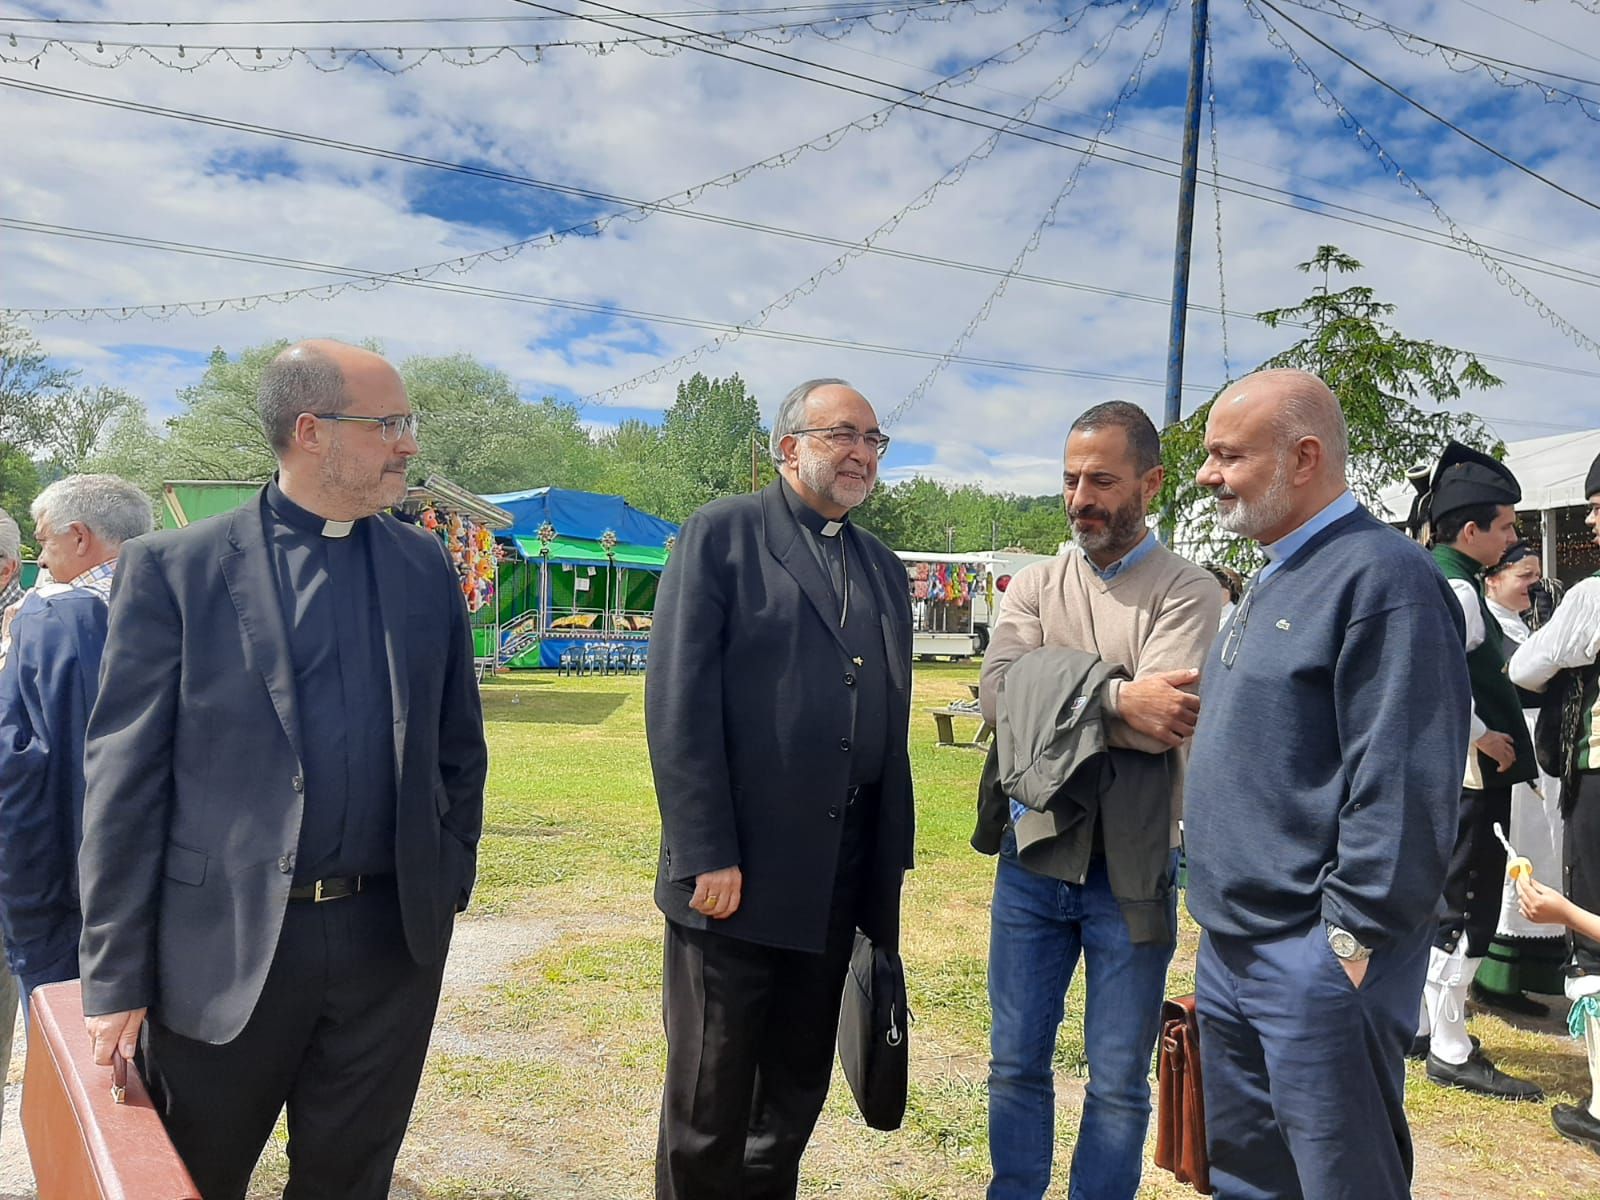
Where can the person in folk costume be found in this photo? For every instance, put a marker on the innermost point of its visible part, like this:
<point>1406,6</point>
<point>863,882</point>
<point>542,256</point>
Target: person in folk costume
<point>1466,512</point>
<point>1568,647</point>
<point>1535,828</point>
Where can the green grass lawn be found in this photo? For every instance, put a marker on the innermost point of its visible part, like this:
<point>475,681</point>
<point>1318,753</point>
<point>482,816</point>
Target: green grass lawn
<point>544,1078</point>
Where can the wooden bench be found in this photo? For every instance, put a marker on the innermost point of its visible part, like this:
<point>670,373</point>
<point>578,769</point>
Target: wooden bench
<point>944,719</point>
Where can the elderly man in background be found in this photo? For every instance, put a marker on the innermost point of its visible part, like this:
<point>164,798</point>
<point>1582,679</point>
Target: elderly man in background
<point>10,578</point>
<point>776,710</point>
<point>1091,876</point>
<point>1320,811</point>
<point>10,595</point>
<point>47,688</point>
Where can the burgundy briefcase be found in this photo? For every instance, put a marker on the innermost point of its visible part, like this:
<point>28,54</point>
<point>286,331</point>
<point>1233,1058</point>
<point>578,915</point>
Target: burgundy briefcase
<point>88,1138</point>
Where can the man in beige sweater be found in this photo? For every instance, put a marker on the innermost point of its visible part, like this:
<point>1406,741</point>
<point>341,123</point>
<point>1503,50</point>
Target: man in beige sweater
<point>1121,595</point>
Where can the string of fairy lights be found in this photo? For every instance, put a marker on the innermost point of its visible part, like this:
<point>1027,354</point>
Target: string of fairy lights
<point>1036,235</point>
<point>28,42</point>
<point>921,200</point>
<point>27,49</point>
<point>1370,142</point>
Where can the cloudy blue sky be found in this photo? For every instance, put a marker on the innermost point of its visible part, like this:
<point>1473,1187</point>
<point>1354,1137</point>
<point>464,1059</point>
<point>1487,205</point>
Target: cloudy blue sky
<point>618,314</point>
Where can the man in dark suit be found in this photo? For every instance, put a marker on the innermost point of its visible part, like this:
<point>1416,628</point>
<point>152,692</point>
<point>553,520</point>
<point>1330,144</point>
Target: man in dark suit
<point>776,710</point>
<point>285,772</point>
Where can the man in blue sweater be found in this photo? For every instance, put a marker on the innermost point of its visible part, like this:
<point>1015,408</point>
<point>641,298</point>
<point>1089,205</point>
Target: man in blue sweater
<point>1323,788</point>
<point>47,687</point>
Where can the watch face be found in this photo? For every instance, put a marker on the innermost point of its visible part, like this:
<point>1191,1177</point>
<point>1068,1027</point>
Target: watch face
<point>1342,942</point>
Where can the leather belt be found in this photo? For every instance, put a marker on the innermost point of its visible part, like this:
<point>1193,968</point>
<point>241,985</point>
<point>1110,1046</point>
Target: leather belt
<point>337,887</point>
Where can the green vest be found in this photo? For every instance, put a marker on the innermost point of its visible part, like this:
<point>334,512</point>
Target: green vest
<point>1493,695</point>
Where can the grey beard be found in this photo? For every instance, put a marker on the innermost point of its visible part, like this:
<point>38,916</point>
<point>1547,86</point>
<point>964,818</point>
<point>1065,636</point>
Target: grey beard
<point>1252,518</point>
<point>818,474</point>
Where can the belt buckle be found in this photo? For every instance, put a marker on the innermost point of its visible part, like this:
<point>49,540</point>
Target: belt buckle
<point>316,896</point>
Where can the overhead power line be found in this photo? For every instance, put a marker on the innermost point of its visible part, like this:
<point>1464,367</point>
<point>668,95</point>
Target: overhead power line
<point>1407,37</point>
<point>1281,197</point>
<point>1428,112</point>
<point>1367,140</point>
<point>1036,234</point>
<point>579,306</point>
<point>358,277</point>
<point>678,202</point>
<point>885,228</point>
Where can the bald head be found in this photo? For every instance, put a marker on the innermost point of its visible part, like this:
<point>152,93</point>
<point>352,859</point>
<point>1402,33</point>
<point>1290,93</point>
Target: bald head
<point>1276,446</point>
<point>315,376</point>
<point>1298,405</point>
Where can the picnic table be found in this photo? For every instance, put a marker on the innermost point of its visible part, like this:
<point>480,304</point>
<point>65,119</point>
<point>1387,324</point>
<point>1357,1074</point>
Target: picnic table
<point>944,720</point>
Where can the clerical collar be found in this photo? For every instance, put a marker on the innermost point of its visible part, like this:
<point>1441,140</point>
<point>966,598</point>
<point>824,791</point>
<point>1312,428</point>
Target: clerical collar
<point>809,517</point>
<point>301,518</point>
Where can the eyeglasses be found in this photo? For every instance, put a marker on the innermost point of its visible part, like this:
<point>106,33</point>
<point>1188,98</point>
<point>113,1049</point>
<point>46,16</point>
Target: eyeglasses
<point>390,429</point>
<point>1241,615</point>
<point>845,438</point>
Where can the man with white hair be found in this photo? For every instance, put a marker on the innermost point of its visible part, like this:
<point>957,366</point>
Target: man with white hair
<point>10,594</point>
<point>10,577</point>
<point>776,710</point>
<point>1321,808</point>
<point>47,687</point>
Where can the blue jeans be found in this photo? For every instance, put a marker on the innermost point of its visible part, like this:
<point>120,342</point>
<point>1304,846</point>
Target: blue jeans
<point>1039,928</point>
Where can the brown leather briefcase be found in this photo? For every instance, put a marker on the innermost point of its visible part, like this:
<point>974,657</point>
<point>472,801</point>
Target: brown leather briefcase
<point>1180,1102</point>
<point>88,1138</point>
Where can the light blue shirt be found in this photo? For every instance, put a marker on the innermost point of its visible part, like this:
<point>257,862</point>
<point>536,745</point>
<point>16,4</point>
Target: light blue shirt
<point>1126,562</point>
<point>1290,544</point>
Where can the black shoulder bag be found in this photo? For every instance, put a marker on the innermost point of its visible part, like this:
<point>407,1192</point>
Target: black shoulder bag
<point>873,1045</point>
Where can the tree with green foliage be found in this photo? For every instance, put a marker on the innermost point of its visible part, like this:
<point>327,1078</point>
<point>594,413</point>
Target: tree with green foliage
<point>1391,387</point>
<point>19,484</point>
<point>633,465</point>
<point>217,432</point>
<point>72,423</point>
<point>28,381</point>
<point>477,432</point>
<point>132,449</point>
<point>930,515</point>
<point>708,439</point>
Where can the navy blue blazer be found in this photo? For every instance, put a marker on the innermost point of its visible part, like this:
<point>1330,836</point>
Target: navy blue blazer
<point>194,768</point>
<point>47,688</point>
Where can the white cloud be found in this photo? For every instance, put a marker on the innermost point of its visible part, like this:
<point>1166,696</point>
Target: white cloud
<point>634,125</point>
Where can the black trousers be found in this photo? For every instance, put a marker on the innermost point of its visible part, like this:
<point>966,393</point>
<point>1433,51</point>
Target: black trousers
<point>339,1036</point>
<point>1472,888</point>
<point>751,1031</point>
<point>1580,850</point>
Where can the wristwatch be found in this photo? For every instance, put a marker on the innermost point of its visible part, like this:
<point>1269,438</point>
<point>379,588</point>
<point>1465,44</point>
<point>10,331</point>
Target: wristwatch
<point>1344,945</point>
